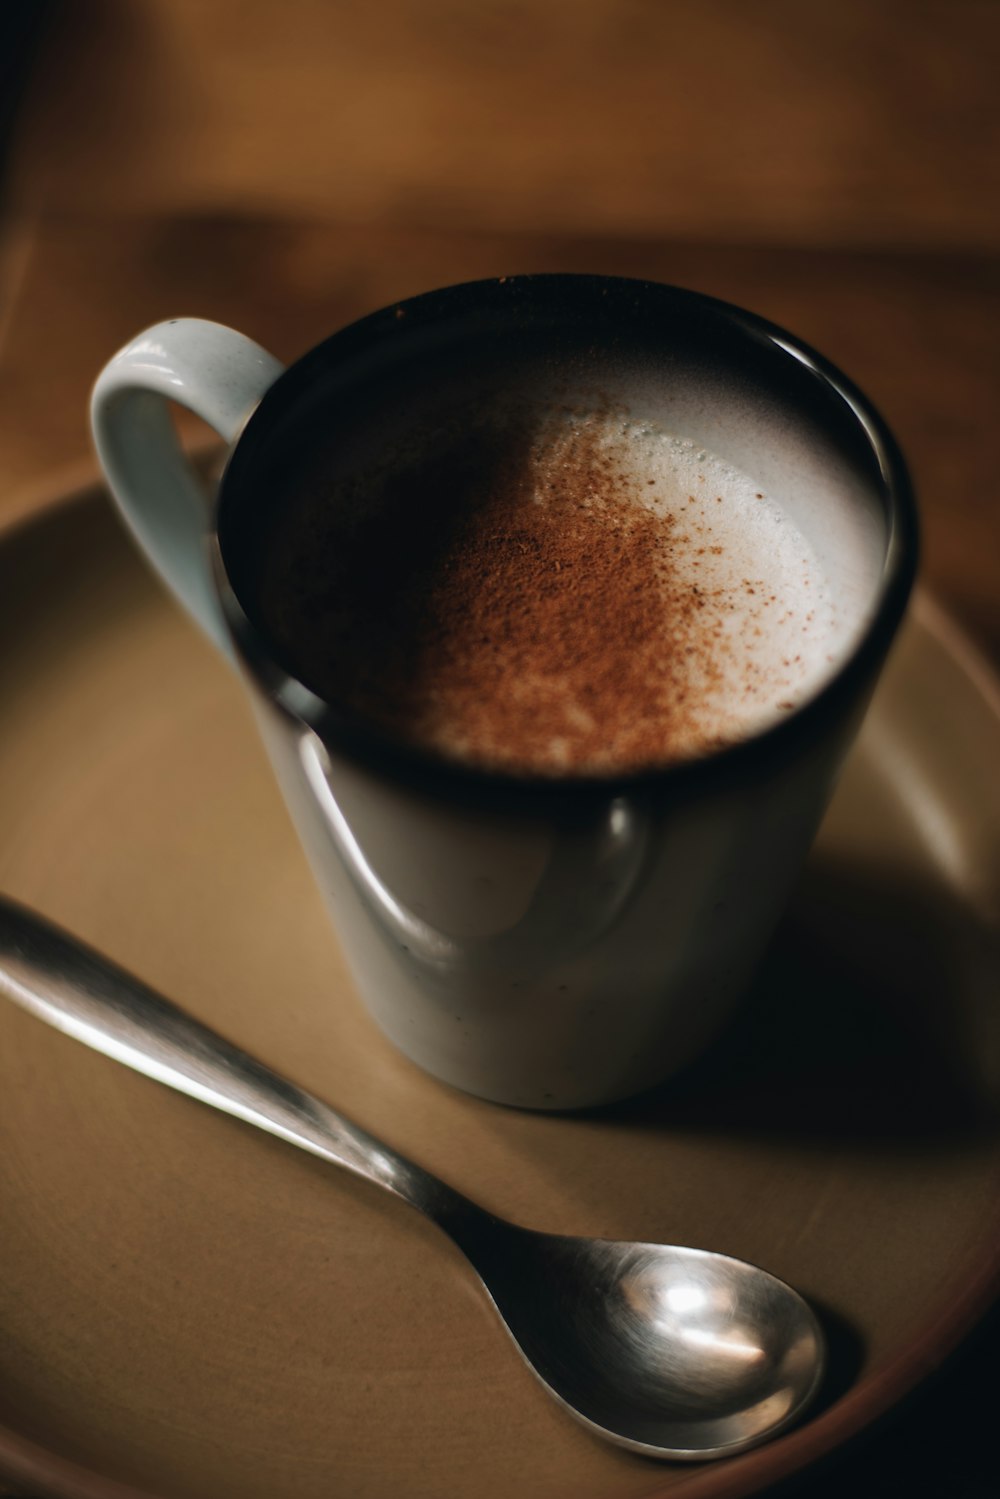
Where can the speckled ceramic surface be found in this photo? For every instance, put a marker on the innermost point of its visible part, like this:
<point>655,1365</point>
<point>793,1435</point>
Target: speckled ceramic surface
<point>188,1308</point>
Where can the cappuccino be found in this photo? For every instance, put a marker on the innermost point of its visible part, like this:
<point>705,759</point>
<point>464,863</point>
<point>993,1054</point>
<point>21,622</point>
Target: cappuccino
<point>576,592</point>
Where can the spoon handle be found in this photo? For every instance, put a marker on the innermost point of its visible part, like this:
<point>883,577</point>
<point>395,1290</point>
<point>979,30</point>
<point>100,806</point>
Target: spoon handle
<point>76,990</point>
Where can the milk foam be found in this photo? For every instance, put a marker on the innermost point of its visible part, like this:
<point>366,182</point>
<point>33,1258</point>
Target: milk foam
<point>770,631</point>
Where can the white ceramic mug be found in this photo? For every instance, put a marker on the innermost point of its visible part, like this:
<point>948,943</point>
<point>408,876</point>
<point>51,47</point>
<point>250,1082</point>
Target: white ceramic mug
<point>543,943</point>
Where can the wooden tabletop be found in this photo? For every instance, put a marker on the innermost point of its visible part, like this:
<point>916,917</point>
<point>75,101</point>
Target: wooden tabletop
<point>832,168</point>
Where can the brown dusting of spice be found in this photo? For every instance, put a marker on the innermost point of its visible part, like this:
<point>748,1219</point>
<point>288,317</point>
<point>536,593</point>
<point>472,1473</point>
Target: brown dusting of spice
<point>507,600</point>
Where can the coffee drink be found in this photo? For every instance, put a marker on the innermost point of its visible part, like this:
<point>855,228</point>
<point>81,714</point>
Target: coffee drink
<point>574,592</point>
<point>540,546</point>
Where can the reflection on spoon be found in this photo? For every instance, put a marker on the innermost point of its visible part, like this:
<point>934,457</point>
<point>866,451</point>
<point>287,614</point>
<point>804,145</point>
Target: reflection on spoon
<point>672,1352</point>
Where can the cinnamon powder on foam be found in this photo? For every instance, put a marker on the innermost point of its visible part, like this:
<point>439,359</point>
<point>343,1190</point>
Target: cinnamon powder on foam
<point>513,601</point>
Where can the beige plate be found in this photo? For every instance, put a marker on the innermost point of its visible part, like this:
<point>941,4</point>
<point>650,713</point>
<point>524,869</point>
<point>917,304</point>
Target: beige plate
<point>189,1308</point>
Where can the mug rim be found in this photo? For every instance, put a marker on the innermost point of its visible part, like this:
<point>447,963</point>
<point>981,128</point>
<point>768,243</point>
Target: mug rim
<point>746,759</point>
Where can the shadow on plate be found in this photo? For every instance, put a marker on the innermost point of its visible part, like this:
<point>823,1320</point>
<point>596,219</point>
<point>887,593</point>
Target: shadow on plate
<point>873,1018</point>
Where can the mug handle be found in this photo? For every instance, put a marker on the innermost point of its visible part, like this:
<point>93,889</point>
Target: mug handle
<point>220,376</point>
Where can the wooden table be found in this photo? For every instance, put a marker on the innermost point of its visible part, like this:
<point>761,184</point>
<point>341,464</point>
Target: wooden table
<point>834,168</point>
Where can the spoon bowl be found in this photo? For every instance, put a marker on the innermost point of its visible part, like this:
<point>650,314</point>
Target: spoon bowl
<point>672,1352</point>
<point>665,1350</point>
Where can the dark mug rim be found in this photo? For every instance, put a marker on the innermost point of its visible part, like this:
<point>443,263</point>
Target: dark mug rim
<point>757,755</point>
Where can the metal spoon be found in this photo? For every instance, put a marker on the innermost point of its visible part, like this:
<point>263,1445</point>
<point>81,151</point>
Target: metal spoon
<point>676,1353</point>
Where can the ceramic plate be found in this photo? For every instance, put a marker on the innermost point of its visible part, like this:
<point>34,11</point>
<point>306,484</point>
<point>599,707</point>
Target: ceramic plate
<point>189,1308</point>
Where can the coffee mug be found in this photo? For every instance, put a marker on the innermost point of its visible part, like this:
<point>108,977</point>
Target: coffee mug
<point>542,939</point>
